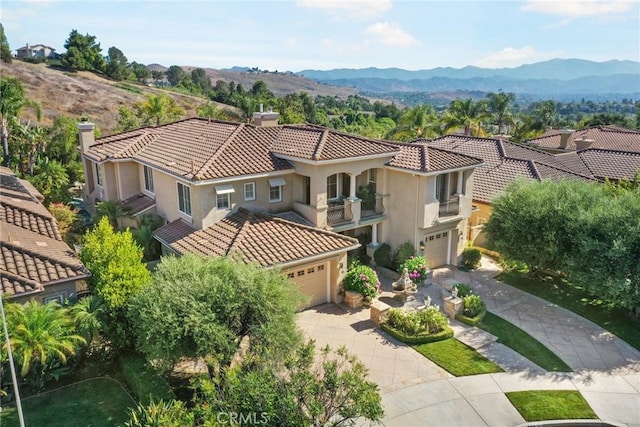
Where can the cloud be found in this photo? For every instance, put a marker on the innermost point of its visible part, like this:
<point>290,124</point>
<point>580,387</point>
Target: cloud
<point>391,35</point>
<point>578,7</point>
<point>513,57</point>
<point>360,9</point>
<point>291,41</point>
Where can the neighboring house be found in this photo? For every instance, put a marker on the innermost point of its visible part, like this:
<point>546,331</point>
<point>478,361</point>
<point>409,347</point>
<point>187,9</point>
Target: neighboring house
<point>503,163</point>
<point>35,263</point>
<point>604,136</point>
<point>36,51</point>
<point>228,187</point>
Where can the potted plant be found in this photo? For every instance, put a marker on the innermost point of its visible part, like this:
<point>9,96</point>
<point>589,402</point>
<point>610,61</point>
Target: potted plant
<point>418,268</point>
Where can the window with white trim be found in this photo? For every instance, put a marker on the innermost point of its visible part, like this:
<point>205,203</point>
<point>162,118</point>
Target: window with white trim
<point>249,191</point>
<point>57,298</point>
<point>148,179</point>
<point>184,199</point>
<point>275,189</point>
<point>223,201</point>
<point>99,178</point>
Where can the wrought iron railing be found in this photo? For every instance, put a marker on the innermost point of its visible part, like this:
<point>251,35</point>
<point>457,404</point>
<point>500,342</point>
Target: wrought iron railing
<point>335,214</point>
<point>372,207</point>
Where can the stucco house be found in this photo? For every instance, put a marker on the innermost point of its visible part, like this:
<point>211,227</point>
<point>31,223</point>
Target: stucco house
<point>36,51</point>
<point>607,137</point>
<point>290,196</point>
<point>35,262</point>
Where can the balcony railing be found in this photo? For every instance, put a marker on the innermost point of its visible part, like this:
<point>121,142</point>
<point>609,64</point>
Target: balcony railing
<point>450,207</point>
<point>337,214</point>
<point>372,207</point>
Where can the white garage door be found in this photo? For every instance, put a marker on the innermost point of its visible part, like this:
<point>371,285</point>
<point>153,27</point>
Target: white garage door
<point>435,248</point>
<point>313,281</point>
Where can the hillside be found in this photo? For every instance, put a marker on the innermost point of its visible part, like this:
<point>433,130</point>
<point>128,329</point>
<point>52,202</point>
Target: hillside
<point>84,94</point>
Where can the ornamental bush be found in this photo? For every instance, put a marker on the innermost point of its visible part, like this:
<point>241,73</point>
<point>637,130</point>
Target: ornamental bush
<point>362,279</point>
<point>473,305</point>
<point>382,256</point>
<point>471,258</point>
<point>418,268</point>
<point>463,290</point>
<point>428,320</point>
<point>402,253</point>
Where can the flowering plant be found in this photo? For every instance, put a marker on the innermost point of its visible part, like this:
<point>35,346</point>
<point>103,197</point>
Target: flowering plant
<point>418,268</point>
<point>362,279</point>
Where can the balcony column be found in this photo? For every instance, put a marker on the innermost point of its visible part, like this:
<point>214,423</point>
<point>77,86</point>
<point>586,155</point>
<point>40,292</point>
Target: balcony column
<point>374,235</point>
<point>352,187</point>
<point>460,182</point>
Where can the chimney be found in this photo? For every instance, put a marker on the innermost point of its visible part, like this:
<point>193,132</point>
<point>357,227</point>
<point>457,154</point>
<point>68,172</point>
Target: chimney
<point>268,119</point>
<point>583,143</point>
<point>85,133</point>
<point>564,137</point>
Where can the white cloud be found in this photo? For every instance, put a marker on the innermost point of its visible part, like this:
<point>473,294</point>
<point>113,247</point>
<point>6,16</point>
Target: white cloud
<point>291,41</point>
<point>361,9</point>
<point>391,35</point>
<point>578,7</point>
<point>513,57</point>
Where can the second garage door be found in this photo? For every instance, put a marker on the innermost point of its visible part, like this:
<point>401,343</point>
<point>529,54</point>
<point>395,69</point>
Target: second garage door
<point>435,248</point>
<point>313,282</point>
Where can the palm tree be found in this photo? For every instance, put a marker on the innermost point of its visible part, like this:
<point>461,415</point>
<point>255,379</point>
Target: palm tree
<point>42,334</point>
<point>52,180</point>
<point>415,123</point>
<point>87,314</point>
<point>112,210</point>
<point>159,108</point>
<point>499,105</point>
<point>466,114</point>
<point>11,103</point>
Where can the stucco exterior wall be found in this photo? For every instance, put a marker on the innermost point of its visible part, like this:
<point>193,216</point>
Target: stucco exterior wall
<point>128,174</point>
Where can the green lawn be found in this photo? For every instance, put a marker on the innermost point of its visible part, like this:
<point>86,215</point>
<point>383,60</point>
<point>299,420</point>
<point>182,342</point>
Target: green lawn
<point>572,297</point>
<point>520,341</point>
<point>100,402</point>
<point>457,358</point>
<point>543,405</point>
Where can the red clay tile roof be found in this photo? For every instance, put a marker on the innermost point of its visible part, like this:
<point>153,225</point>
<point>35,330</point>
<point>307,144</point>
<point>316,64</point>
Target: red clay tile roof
<point>259,237</point>
<point>608,137</point>
<point>137,203</point>
<point>423,158</point>
<point>318,144</point>
<point>610,163</point>
<point>32,253</point>
<point>196,149</point>
<point>504,162</point>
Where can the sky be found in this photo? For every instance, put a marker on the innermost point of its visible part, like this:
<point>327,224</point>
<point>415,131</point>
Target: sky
<point>324,34</point>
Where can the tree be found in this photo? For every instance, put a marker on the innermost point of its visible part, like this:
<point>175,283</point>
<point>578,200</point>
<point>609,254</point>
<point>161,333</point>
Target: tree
<point>417,122</point>
<point>175,74</point>
<point>499,106</point>
<point>115,262</point>
<point>466,114</point>
<point>127,119</point>
<point>305,392</point>
<point>5,50</point>
<point>52,181</point>
<point>211,111</point>
<point>43,336</point>
<point>117,65</point>
<point>88,315</point>
<point>226,302</point>
<point>160,414</point>
<point>140,71</point>
<point>27,143</point>
<point>111,210</point>
<point>11,103</point>
<point>545,114</point>
<point>201,80</point>
<point>157,75</point>
<point>63,147</point>
<point>83,53</point>
<point>158,109</point>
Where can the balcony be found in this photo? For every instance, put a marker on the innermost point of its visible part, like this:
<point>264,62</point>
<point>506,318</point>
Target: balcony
<point>372,207</point>
<point>451,207</point>
<point>338,213</point>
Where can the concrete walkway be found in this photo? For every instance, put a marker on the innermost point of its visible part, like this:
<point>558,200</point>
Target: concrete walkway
<point>415,391</point>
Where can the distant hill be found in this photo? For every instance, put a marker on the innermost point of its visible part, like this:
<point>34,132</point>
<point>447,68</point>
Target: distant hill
<point>555,78</point>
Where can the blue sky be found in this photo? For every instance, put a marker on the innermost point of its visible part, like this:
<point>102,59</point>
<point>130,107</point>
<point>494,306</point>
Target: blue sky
<point>322,34</point>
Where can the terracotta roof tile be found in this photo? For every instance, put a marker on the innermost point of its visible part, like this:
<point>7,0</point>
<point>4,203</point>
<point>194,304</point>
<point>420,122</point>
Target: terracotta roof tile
<point>32,253</point>
<point>610,163</point>
<point>423,158</point>
<point>607,137</point>
<point>259,237</point>
<point>137,203</point>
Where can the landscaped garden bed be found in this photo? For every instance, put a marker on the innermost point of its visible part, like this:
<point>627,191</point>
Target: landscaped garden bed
<point>457,358</point>
<point>540,405</point>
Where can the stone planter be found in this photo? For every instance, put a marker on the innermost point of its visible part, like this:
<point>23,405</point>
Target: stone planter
<point>353,299</point>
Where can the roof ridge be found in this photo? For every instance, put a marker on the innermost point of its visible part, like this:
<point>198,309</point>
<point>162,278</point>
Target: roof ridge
<point>9,274</point>
<point>239,236</point>
<point>534,169</point>
<point>562,169</point>
<point>22,249</point>
<point>318,151</point>
<point>218,152</point>
<point>424,157</point>
<point>501,150</point>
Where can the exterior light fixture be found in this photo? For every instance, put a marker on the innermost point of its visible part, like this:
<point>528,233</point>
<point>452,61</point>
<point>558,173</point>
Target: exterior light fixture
<point>421,245</point>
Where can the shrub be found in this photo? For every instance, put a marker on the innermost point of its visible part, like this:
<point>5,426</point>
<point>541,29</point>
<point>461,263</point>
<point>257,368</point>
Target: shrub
<point>382,256</point>
<point>418,268</point>
<point>463,290</point>
<point>402,253</point>
<point>143,380</point>
<point>471,258</point>
<point>444,334</point>
<point>362,279</point>
<point>473,305</point>
<point>427,321</point>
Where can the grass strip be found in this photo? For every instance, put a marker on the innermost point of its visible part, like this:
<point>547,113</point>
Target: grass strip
<point>457,358</point>
<point>541,405</point>
<point>520,341</point>
<point>558,291</point>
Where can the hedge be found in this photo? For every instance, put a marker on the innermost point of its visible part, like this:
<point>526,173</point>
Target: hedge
<point>444,334</point>
<point>143,380</point>
<point>471,321</point>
